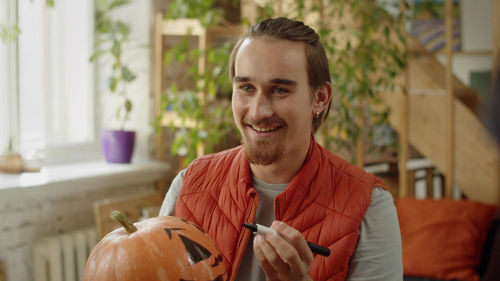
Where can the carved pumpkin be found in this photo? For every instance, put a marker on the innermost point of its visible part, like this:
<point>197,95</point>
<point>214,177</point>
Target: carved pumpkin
<point>161,248</point>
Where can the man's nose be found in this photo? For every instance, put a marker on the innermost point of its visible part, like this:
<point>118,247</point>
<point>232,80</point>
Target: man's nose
<point>261,107</point>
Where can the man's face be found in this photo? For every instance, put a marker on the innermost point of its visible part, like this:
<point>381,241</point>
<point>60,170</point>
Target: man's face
<point>272,100</point>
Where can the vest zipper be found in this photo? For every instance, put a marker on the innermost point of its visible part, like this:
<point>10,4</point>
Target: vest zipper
<point>277,214</point>
<point>242,243</point>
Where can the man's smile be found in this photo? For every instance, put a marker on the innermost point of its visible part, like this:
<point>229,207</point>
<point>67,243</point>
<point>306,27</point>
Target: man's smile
<point>264,129</point>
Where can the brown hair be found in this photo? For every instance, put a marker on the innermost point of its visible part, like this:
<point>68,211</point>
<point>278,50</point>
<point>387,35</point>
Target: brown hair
<point>287,29</point>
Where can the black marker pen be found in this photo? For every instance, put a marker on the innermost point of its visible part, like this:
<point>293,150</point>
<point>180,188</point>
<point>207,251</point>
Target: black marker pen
<point>260,229</point>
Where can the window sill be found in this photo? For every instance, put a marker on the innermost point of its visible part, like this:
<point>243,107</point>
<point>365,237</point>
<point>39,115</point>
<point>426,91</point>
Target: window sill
<point>73,178</point>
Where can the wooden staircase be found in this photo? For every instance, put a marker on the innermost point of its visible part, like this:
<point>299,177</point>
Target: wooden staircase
<point>476,155</point>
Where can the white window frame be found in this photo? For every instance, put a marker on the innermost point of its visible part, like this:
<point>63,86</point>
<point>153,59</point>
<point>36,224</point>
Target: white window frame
<point>9,106</point>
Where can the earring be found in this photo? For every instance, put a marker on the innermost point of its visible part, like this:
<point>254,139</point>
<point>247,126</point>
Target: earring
<point>316,114</point>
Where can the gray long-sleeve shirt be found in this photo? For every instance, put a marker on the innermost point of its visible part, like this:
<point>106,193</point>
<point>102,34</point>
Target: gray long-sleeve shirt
<point>378,252</point>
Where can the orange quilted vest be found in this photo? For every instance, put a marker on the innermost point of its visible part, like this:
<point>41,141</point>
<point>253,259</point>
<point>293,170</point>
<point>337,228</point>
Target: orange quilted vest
<point>326,201</point>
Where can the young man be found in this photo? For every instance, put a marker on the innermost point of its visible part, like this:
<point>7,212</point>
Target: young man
<point>281,177</point>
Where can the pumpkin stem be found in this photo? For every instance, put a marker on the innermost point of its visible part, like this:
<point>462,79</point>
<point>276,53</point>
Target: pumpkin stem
<point>124,221</point>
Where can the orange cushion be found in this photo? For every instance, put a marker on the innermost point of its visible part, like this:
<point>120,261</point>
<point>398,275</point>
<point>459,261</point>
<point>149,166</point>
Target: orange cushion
<point>443,239</point>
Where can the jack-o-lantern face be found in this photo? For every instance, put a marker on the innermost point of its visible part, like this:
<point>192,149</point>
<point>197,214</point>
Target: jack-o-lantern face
<point>162,248</point>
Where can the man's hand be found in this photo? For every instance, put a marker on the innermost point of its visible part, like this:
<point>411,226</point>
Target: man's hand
<point>283,256</point>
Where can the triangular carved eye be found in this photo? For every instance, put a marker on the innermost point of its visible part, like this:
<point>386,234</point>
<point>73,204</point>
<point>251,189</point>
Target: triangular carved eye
<point>196,252</point>
<point>169,231</point>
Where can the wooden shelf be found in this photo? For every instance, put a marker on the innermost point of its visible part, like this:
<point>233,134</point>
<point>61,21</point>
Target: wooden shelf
<point>167,33</point>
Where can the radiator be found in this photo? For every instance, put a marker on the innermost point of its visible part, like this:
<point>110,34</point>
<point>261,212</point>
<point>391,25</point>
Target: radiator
<point>63,257</point>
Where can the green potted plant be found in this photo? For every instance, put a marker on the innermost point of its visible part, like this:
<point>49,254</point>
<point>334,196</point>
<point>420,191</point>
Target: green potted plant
<point>112,36</point>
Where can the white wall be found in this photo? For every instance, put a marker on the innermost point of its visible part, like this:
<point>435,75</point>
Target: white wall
<point>477,35</point>
<point>477,24</point>
<point>463,65</point>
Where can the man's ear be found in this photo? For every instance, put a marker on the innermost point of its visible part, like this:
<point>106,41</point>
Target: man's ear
<point>322,97</point>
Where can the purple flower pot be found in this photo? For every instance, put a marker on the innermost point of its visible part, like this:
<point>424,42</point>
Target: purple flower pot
<point>117,146</point>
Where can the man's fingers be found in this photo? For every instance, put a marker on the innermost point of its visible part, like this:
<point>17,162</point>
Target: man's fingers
<point>260,247</point>
<point>296,239</point>
<point>272,255</point>
<point>288,254</point>
<point>283,255</point>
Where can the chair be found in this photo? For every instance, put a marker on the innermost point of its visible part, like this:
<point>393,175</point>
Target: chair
<point>134,207</point>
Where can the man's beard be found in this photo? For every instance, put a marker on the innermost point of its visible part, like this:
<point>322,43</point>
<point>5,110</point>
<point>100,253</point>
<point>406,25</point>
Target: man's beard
<point>263,152</point>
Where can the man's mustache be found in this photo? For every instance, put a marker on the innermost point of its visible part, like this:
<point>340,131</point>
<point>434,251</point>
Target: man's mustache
<point>267,122</point>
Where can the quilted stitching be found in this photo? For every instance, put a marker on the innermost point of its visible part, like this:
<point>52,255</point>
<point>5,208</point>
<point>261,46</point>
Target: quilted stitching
<point>330,216</point>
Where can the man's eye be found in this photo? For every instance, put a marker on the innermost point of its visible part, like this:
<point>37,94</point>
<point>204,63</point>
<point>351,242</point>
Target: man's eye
<point>279,90</point>
<point>246,88</point>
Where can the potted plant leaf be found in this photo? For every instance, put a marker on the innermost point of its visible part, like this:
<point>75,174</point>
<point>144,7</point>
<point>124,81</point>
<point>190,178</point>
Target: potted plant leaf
<point>112,36</point>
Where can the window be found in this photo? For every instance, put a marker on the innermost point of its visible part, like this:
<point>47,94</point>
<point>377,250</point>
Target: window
<point>48,100</point>
<point>7,60</point>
